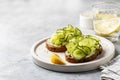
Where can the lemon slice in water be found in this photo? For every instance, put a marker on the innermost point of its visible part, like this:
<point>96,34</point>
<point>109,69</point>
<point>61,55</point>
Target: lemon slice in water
<point>105,16</point>
<point>107,26</point>
<point>55,59</point>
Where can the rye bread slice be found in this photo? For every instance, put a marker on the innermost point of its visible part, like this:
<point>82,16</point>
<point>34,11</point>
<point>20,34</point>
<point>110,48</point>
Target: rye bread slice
<point>54,48</point>
<point>86,59</point>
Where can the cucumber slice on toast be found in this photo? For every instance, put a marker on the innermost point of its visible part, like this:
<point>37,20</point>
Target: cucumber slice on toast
<point>78,54</point>
<point>86,49</point>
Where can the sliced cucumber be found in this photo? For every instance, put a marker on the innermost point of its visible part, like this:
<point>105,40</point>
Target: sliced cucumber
<point>73,40</point>
<point>76,39</point>
<point>93,49</point>
<point>80,38</point>
<point>62,40</point>
<point>71,47</point>
<point>93,37</point>
<point>59,31</point>
<point>60,35</point>
<point>77,32</point>
<point>78,54</point>
<point>57,42</point>
<point>53,39</point>
<point>77,45</point>
<point>88,42</point>
<point>86,49</point>
<point>68,28</point>
<point>69,37</point>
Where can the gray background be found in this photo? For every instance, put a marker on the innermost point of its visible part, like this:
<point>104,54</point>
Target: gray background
<point>23,22</point>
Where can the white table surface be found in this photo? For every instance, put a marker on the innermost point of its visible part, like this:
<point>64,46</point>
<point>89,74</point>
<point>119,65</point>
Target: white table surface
<point>23,22</point>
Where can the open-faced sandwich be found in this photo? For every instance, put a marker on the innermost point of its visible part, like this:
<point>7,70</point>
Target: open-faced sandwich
<point>76,46</point>
<point>57,42</point>
<point>83,49</point>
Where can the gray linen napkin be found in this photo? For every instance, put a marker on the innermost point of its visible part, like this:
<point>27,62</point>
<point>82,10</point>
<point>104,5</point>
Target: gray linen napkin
<point>111,71</point>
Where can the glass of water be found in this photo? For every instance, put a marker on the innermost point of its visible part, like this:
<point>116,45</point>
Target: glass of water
<point>106,20</point>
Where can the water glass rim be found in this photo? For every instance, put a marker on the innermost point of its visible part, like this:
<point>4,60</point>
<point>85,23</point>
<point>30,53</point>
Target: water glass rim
<point>106,5</point>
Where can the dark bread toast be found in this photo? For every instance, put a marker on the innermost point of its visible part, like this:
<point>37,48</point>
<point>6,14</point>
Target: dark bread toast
<point>54,48</point>
<point>86,59</point>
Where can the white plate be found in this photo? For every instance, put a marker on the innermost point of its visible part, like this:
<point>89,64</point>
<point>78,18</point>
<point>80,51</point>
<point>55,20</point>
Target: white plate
<point>41,57</point>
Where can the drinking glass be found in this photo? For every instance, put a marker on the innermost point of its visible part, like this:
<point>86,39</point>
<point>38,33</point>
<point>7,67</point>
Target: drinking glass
<point>106,20</point>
